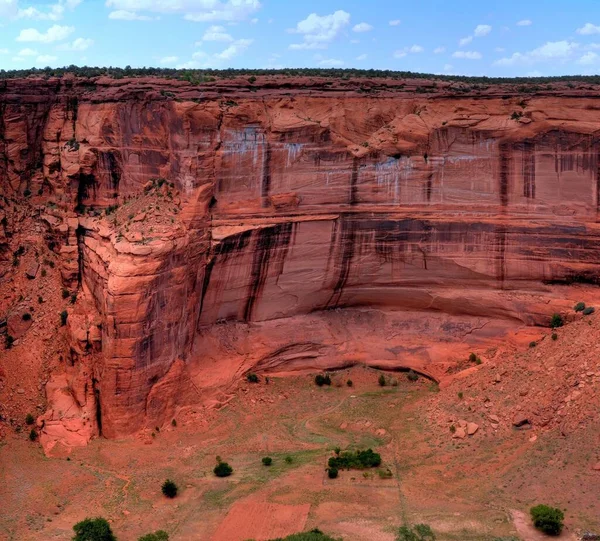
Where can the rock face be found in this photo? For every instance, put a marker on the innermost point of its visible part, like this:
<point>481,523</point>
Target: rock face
<point>288,202</point>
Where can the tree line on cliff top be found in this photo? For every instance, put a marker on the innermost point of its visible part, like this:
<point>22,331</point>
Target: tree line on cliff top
<point>210,75</point>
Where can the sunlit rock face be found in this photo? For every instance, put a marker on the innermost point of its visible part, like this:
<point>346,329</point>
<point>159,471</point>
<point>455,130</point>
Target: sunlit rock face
<point>295,200</point>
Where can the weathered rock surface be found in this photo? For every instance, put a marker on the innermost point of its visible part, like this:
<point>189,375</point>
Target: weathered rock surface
<point>288,203</point>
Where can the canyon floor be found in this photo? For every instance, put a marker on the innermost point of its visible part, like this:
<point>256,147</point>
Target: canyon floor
<point>477,488</point>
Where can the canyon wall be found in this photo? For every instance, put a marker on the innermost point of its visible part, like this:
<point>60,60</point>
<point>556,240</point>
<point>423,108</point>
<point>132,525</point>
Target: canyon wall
<point>284,200</point>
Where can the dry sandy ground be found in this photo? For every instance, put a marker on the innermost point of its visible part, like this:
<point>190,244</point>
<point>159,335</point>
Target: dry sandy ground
<point>464,489</point>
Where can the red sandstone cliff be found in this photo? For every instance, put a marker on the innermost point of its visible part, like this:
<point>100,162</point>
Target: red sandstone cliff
<point>284,201</point>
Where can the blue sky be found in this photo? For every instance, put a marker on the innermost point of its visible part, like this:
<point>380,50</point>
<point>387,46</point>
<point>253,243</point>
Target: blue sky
<point>508,38</point>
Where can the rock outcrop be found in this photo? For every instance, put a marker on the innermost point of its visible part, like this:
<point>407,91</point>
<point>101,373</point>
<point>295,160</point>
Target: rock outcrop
<point>214,229</point>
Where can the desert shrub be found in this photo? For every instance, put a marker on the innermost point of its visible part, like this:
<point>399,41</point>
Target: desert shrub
<point>321,380</point>
<point>252,80</point>
<point>349,383</point>
<point>554,336</point>
<point>9,341</point>
<point>288,459</point>
<point>332,473</point>
<point>460,395</point>
<point>252,378</point>
<point>385,474</point>
<point>452,429</point>
<point>357,460</point>
<point>472,357</point>
<point>547,519</point>
<point>159,535</point>
<point>556,321</point>
<point>222,469</point>
<point>589,310</point>
<point>382,381</point>
<point>33,435</point>
<point>44,272</point>
<point>63,318</point>
<point>532,344</point>
<point>313,535</point>
<point>579,307</point>
<point>29,419</point>
<point>419,532</point>
<point>412,376</point>
<point>73,298</point>
<point>65,293</point>
<point>267,460</point>
<point>173,422</point>
<point>40,299</point>
<point>169,488</point>
<point>26,316</point>
<point>93,529</point>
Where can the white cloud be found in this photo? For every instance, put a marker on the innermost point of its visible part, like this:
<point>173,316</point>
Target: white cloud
<point>236,48</point>
<point>414,49</point>
<point>395,22</point>
<point>588,59</point>
<point>465,41</point>
<point>216,33</point>
<point>80,44</point>
<point>588,29</point>
<point>499,49</point>
<point>482,30</point>
<point>54,33</point>
<point>27,52</point>
<point>362,27</point>
<point>331,63</point>
<point>254,21</point>
<point>524,22</point>
<point>3,51</point>
<point>361,57</point>
<point>467,55</point>
<point>448,67</point>
<point>439,50</point>
<point>168,60</point>
<point>192,10</point>
<point>201,59</point>
<point>45,59</point>
<point>554,51</point>
<point>55,13</point>
<point>124,15</point>
<point>318,31</point>
<point>8,9</point>
<point>354,41</point>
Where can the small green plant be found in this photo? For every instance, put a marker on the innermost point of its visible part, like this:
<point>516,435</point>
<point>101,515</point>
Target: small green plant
<point>63,318</point>
<point>357,460</point>
<point>252,80</point>
<point>40,299</point>
<point>33,435</point>
<point>73,298</point>
<point>382,381</point>
<point>532,344</point>
<point>412,376</point>
<point>29,419</point>
<point>93,529</point>
<point>579,307</point>
<point>349,383</point>
<point>252,378</point>
<point>472,357</point>
<point>516,115</point>
<point>173,422</point>
<point>222,469</point>
<point>159,535</point>
<point>65,293</point>
<point>589,311</point>
<point>321,380</point>
<point>332,473</point>
<point>452,429</point>
<point>556,321</point>
<point>267,461</point>
<point>9,341</point>
<point>169,488</point>
<point>288,459</point>
<point>337,450</point>
<point>44,272</point>
<point>419,532</point>
<point>460,395</point>
<point>547,519</point>
<point>385,473</point>
<point>554,336</point>
<point>26,316</point>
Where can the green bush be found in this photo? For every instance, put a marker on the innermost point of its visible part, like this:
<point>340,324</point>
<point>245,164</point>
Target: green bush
<point>63,318</point>
<point>9,341</point>
<point>382,381</point>
<point>556,321</point>
<point>252,378</point>
<point>267,461</point>
<point>412,376</point>
<point>589,310</point>
<point>419,532</point>
<point>349,383</point>
<point>313,535</point>
<point>321,380</point>
<point>554,336</point>
<point>169,488</point>
<point>93,529</point>
<point>579,307</point>
<point>33,435</point>
<point>29,419</point>
<point>472,357</point>
<point>159,535</point>
<point>357,460</point>
<point>332,473</point>
<point>532,344</point>
<point>222,469</point>
<point>65,293</point>
<point>547,519</point>
<point>26,316</point>
<point>288,459</point>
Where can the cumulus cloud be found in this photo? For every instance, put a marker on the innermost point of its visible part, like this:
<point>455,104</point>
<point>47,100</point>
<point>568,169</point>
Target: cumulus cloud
<point>439,50</point>
<point>362,27</point>
<point>395,22</point>
<point>482,30</point>
<point>588,29</point>
<point>465,41</point>
<point>216,33</point>
<point>361,57</point>
<point>3,51</point>
<point>588,59</point>
<point>80,44</point>
<point>165,61</point>
<point>45,59</point>
<point>331,63</point>
<point>27,52</point>
<point>124,15</point>
<point>236,48</point>
<point>54,33</point>
<point>192,10</point>
<point>318,31</point>
<point>54,13</point>
<point>524,22</point>
<point>552,51</point>
<point>8,9</point>
<point>467,55</point>
<point>414,49</point>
